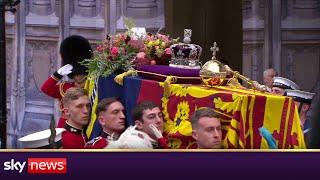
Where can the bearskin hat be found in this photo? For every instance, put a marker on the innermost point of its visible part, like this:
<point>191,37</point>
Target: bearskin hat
<point>73,50</point>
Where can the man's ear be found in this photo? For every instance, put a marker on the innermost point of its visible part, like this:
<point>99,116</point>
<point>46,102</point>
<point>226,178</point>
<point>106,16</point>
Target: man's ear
<point>101,120</point>
<point>194,134</point>
<point>66,111</point>
<point>138,124</point>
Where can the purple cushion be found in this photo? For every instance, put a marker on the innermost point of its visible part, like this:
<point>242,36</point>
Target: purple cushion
<point>159,73</point>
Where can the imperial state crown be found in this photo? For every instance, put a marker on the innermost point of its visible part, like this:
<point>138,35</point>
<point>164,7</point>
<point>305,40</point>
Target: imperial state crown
<point>186,55</point>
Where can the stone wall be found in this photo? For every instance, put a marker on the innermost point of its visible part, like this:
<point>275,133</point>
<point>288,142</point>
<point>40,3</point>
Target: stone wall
<point>284,35</point>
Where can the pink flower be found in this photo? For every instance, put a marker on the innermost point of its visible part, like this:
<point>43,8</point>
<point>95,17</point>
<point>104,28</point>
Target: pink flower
<point>163,37</point>
<point>114,51</point>
<point>137,44</point>
<point>100,48</point>
<point>167,51</point>
<point>141,55</point>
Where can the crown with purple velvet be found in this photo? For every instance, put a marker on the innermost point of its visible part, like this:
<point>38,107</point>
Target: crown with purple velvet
<point>186,55</point>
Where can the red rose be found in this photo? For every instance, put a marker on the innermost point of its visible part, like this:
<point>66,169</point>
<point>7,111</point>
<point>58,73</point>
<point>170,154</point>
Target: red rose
<point>114,51</point>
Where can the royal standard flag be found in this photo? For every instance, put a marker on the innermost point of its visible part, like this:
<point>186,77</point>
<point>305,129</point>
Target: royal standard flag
<point>243,112</point>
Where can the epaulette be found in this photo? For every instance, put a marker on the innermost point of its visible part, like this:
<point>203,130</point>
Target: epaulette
<point>96,143</point>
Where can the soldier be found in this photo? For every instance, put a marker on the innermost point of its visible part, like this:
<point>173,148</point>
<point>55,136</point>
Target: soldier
<point>111,116</point>
<point>302,99</point>
<point>149,119</point>
<point>73,50</point>
<point>76,107</point>
<point>206,129</point>
<point>280,84</point>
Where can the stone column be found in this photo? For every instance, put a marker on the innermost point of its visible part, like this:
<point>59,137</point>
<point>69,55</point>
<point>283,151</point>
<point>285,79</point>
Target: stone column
<point>112,17</point>
<point>255,8</point>
<point>267,63</point>
<point>17,97</point>
<point>64,20</point>
<point>276,33</point>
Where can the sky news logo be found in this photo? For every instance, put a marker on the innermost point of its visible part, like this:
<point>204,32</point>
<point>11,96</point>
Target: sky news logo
<point>38,165</point>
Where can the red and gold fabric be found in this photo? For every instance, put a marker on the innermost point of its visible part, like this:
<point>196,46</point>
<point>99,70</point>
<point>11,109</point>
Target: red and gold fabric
<point>243,112</point>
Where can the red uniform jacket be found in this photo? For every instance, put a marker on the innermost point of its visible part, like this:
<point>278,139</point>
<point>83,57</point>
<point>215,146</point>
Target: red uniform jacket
<point>73,138</point>
<point>52,88</point>
<point>100,142</point>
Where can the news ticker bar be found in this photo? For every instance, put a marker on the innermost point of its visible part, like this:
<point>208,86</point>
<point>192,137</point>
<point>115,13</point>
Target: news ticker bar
<point>182,165</point>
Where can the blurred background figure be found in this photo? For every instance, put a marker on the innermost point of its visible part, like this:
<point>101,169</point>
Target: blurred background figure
<point>303,100</point>
<point>268,76</point>
<point>314,116</point>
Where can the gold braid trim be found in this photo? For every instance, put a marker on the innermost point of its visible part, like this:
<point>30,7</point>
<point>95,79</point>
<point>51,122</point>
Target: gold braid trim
<point>166,85</point>
<point>119,78</point>
<point>61,89</point>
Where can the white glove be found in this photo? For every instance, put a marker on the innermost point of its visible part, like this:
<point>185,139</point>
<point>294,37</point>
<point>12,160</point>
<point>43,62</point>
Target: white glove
<point>65,70</point>
<point>155,131</point>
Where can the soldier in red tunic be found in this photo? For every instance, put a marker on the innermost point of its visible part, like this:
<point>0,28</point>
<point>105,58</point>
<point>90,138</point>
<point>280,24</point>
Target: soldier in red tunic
<point>73,50</point>
<point>111,116</point>
<point>76,107</point>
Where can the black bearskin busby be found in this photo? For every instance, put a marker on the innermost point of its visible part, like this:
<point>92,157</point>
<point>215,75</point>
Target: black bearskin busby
<point>73,50</point>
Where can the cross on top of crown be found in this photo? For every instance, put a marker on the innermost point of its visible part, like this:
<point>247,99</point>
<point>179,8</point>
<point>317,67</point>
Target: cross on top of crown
<point>214,50</point>
<point>187,36</point>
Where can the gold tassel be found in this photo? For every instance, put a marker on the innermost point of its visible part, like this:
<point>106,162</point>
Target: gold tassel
<point>166,85</point>
<point>119,78</point>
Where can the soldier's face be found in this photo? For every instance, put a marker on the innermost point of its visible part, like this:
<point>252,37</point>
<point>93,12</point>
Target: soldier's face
<point>208,134</point>
<point>78,111</point>
<point>80,80</point>
<point>279,91</point>
<point>151,116</point>
<point>113,118</point>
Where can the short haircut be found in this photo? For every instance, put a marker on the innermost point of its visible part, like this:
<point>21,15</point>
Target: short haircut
<point>137,111</point>
<point>270,70</point>
<point>200,113</point>
<point>73,94</point>
<point>105,103</point>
